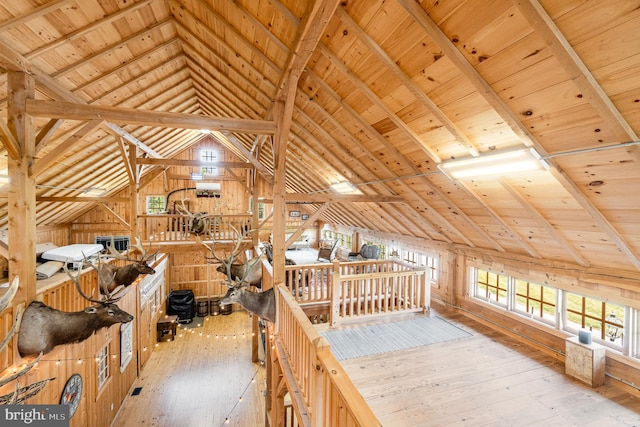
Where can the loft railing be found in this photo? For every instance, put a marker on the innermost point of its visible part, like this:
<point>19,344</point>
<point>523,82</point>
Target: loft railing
<point>326,396</point>
<point>175,228</point>
<point>353,290</point>
<point>322,392</point>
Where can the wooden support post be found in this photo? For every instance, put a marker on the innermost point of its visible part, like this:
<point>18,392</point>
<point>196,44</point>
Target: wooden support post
<point>133,188</point>
<point>22,191</point>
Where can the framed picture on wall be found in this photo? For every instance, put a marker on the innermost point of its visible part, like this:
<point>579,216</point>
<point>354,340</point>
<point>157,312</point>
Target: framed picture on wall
<point>294,214</point>
<point>305,216</point>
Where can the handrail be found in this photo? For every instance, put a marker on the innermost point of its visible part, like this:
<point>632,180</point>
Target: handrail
<point>175,227</point>
<point>329,396</point>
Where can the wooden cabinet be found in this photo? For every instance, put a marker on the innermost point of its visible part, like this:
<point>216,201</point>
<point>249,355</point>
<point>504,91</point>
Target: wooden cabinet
<point>585,362</point>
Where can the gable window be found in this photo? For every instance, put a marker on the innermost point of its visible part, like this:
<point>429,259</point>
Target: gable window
<point>155,204</point>
<point>209,156</point>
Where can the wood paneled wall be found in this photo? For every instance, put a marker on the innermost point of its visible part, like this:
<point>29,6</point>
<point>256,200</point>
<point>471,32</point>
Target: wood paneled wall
<point>97,407</point>
<point>174,184</point>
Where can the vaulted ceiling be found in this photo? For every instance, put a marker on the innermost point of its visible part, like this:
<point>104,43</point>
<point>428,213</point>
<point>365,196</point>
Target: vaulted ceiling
<point>391,90</point>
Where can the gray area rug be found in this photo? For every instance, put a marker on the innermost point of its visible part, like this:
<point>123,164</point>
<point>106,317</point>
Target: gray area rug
<point>376,339</point>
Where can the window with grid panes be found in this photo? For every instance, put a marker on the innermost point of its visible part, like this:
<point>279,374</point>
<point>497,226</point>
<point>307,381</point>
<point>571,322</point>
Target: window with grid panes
<point>155,204</point>
<point>593,314</point>
<point>102,366</point>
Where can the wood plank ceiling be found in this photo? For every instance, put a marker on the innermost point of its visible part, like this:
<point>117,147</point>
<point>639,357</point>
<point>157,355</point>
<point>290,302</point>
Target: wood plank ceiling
<point>392,89</point>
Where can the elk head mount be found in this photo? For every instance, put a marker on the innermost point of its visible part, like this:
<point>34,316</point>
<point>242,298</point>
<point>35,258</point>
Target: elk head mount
<point>198,222</point>
<point>249,272</point>
<point>111,276</point>
<point>240,276</point>
<point>263,304</point>
<point>19,394</point>
<point>43,327</point>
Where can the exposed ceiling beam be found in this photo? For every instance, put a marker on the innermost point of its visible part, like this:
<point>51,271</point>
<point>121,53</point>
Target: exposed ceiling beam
<point>322,198</point>
<point>577,70</point>
<point>193,163</point>
<point>83,199</point>
<point>423,19</point>
<point>542,220</point>
<point>407,82</point>
<point>53,155</point>
<point>454,55</point>
<point>493,214</point>
<point>134,116</point>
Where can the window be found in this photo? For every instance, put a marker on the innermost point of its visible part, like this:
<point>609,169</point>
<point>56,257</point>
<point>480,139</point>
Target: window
<point>209,156</point>
<point>209,171</point>
<point>536,300</point>
<point>155,204</point>
<point>491,287</point>
<point>593,314</point>
<point>563,310</point>
<point>103,366</point>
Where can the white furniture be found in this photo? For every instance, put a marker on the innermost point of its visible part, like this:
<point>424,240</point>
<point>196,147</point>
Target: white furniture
<point>585,362</point>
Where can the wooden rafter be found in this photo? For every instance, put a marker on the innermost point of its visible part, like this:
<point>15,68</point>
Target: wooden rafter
<point>577,70</point>
<point>452,52</point>
<point>373,97</point>
<point>193,163</point>
<point>42,164</point>
<point>46,132</point>
<point>407,82</point>
<point>542,220</point>
<point>499,219</point>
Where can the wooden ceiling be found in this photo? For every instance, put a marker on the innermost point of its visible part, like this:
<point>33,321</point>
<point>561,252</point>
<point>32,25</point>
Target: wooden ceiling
<point>390,90</point>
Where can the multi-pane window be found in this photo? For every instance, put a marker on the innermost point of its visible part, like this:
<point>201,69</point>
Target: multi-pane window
<point>103,366</point>
<point>491,287</point>
<point>604,319</point>
<point>344,240</point>
<point>155,204</point>
<point>209,156</point>
<point>560,309</point>
<point>209,171</point>
<point>536,300</point>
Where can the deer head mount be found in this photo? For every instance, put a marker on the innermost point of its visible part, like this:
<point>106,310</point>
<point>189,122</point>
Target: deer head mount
<point>111,276</point>
<point>20,394</point>
<point>198,222</point>
<point>43,328</point>
<point>249,272</point>
<point>262,304</point>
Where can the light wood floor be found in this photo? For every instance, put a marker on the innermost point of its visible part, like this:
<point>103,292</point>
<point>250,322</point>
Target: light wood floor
<point>488,379</point>
<point>198,380</point>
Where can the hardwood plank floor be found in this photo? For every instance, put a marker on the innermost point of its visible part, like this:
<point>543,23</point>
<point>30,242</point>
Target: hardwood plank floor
<point>198,380</point>
<point>488,379</point>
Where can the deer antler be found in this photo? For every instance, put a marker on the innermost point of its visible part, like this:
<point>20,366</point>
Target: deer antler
<point>227,261</point>
<point>8,297</point>
<point>143,257</point>
<point>76,279</point>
